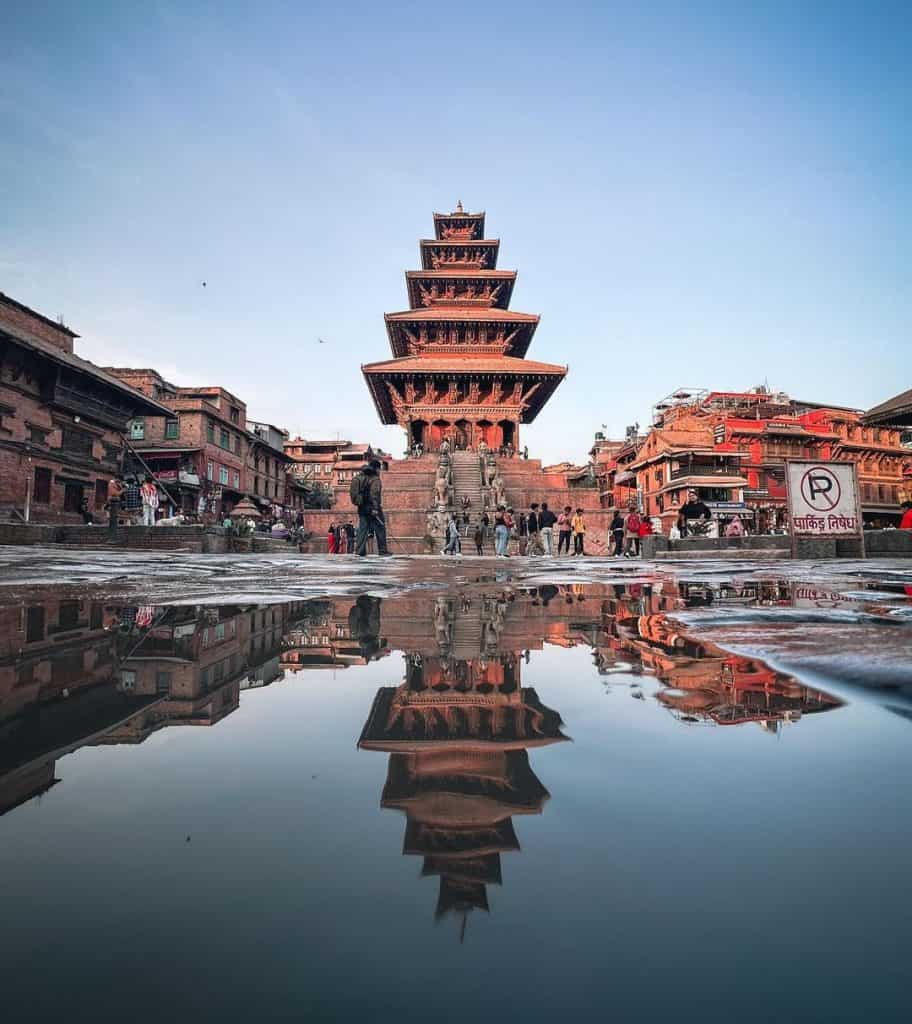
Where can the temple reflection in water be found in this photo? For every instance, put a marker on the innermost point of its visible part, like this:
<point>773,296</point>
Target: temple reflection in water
<point>458,730</point>
<point>75,671</point>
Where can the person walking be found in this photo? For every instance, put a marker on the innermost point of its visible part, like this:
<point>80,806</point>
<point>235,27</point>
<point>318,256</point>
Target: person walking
<point>617,533</point>
<point>453,545</point>
<point>349,529</point>
<point>546,521</point>
<point>149,495</point>
<point>632,534</point>
<point>564,530</point>
<point>578,529</point>
<point>533,528</point>
<point>366,493</point>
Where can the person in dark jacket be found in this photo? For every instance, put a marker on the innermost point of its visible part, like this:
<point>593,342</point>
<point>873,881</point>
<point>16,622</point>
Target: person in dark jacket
<point>617,533</point>
<point>367,493</point>
<point>546,521</point>
<point>533,525</point>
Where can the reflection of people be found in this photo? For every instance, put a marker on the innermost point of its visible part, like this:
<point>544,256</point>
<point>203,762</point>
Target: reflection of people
<point>692,510</point>
<point>364,625</point>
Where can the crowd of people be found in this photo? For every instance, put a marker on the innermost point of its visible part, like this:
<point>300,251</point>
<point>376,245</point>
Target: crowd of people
<point>538,531</point>
<point>456,444</point>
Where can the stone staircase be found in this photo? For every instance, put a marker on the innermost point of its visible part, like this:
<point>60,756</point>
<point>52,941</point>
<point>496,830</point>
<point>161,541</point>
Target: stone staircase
<point>466,482</point>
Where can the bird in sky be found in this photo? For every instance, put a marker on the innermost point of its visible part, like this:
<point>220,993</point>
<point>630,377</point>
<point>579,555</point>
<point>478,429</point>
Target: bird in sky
<point>320,341</point>
<point>204,284</point>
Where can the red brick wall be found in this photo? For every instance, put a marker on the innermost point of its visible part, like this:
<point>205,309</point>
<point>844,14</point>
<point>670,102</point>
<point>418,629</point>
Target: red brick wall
<point>13,316</point>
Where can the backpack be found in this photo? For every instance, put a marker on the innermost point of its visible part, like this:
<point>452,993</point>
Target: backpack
<point>633,522</point>
<point>359,489</point>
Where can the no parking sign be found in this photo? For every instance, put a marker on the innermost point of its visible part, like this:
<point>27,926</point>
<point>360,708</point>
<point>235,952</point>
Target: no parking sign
<point>823,499</point>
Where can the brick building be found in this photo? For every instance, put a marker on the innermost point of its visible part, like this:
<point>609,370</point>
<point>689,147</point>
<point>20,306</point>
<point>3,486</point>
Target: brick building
<point>62,420</point>
<point>330,464</point>
<point>732,447</point>
<point>269,479</point>
<point>198,451</point>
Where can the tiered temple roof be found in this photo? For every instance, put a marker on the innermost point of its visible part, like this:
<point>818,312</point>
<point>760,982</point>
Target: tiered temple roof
<point>458,369</point>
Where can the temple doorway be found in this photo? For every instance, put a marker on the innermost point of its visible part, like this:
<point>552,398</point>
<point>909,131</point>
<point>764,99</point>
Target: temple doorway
<point>484,431</point>
<point>507,432</point>
<point>439,430</point>
<point>463,434</point>
<point>419,428</point>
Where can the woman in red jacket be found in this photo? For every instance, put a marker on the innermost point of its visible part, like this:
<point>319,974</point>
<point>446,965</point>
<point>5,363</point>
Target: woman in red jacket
<point>331,539</point>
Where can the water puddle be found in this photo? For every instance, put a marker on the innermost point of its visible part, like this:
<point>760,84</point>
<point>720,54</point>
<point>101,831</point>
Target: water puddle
<point>351,804</point>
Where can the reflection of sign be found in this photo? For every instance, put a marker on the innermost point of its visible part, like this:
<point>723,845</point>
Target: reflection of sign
<point>823,499</point>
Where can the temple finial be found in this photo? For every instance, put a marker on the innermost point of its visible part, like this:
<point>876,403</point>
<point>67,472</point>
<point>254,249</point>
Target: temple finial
<point>458,206</point>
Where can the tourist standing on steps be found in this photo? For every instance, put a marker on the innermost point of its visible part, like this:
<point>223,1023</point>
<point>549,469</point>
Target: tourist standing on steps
<point>546,521</point>
<point>331,539</point>
<point>479,537</point>
<point>523,531</point>
<point>906,522</point>
<point>149,494</point>
<point>349,537</point>
<point>617,533</point>
<point>533,526</point>
<point>578,529</point>
<point>366,492</point>
<point>503,523</point>
<point>564,530</point>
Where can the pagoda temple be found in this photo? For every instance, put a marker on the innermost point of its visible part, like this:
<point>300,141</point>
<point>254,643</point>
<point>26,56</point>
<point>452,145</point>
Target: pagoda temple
<point>459,369</point>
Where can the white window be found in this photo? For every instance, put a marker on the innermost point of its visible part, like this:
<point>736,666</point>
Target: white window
<point>137,429</point>
<point>210,471</point>
<point>127,679</point>
<point>223,474</point>
<point>236,478</point>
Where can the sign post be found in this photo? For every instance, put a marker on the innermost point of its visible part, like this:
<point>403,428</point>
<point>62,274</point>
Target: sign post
<point>823,501</point>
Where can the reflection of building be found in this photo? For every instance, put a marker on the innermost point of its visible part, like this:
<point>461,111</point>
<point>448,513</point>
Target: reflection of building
<point>58,689</point>
<point>712,684</point>
<point>458,729</point>
<point>76,672</point>
<point>324,634</point>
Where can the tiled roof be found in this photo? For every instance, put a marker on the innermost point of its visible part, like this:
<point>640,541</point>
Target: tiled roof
<point>142,405</point>
<point>464,364</point>
<point>462,314</point>
<point>895,410</point>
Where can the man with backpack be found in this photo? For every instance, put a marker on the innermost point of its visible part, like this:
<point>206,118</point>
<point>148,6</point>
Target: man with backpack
<point>366,492</point>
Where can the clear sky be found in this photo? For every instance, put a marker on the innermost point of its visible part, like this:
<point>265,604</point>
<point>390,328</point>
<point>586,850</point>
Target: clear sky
<point>710,195</point>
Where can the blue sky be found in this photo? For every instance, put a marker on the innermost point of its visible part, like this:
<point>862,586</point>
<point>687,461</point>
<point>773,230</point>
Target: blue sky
<point>710,195</point>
